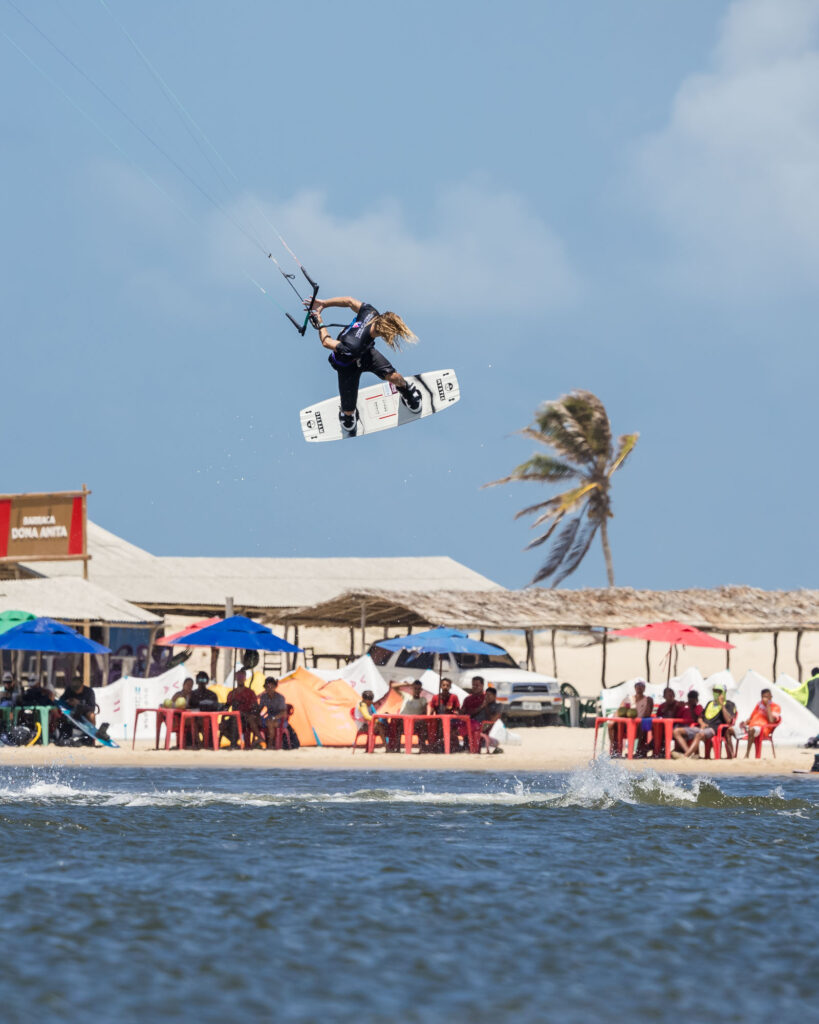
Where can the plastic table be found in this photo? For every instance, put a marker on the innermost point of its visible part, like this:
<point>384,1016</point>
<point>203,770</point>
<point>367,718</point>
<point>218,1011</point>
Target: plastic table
<point>164,716</point>
<point>409,729</point>
<point>212,718</point>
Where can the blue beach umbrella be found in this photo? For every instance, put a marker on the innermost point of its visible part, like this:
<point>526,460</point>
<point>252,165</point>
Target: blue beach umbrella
<point>50,637</point>
<point>240,633</point>
<point>440,641</point>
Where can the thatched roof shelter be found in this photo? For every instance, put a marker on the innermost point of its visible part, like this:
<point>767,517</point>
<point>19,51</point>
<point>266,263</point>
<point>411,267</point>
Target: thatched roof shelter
<point>723,609</point>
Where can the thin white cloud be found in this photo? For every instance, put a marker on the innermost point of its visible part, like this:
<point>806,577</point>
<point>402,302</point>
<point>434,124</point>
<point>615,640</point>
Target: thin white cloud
<point>485,250</point>
<point>734,175</point>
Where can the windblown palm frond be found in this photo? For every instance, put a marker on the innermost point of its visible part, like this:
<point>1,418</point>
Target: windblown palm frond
<point>576,427</point>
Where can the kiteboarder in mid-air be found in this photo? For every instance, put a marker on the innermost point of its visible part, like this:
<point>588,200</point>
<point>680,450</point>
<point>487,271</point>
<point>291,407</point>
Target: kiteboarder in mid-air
<point>354,353</point>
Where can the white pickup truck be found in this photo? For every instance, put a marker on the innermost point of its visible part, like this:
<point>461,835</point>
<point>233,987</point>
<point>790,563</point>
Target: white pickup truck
<point>523,694</point>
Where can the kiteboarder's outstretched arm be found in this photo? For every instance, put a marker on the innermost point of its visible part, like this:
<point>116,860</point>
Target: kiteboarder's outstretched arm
<point>342,300</point>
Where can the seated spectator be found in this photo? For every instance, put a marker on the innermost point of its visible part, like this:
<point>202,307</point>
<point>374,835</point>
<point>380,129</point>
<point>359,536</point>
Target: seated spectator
<point>718,711</point>
<point>364,713</point>
<point>274,710</point>
<point>10,693</point>
<point>242,699</point>
<point>443,703</point>
<point>185,692</point>
<point>486,716</point>
<point>415,704</point>
<point>79,701</point>
<point>691,714</point>
<point>762,719</point>
<point>669,707</point>
<point>201,698</point>
<point>640,706</point>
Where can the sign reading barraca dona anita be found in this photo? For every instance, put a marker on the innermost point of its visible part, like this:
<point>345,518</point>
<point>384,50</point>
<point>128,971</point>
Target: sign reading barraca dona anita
<point>42,526</point>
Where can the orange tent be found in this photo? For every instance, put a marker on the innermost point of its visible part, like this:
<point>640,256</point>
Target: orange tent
<point>321,710</point>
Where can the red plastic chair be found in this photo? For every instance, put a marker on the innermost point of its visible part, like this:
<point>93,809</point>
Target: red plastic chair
<point>766,735</point>
<point>715,742</point>
<point>363,733</point>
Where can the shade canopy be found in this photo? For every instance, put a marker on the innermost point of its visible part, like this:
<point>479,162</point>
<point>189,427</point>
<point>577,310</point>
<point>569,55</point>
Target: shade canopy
<point>181,636</point>
<point>673,632</point>
<point>50,637</point>
<point>13,618</point>
<point>440,641</point>
<point>240,633</point>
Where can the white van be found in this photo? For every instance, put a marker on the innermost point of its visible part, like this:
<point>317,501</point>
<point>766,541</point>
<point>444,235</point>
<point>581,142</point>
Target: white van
<point>523,694</point>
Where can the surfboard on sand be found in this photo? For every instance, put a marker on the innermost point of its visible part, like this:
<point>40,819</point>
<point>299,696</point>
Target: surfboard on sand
<point>380,407</point>
<point>85,726</point>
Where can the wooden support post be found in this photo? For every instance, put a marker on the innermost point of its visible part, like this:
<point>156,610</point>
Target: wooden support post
<point>363,627</point>
<point>605,639</point>
<point>291,661</point>
<point>554,655</point>
<point>530,654</point>
<point>728,653</point>
<point>798,660</point>
<point>86,658</point>
<point>149,655</point>
<point>352,643</point>
<point>776,654</point>
<point>648,661</point>
<point>85,493</point>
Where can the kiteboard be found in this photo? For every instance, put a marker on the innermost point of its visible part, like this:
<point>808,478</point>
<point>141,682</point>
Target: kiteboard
<point>85,726</point>
<point>379,407</point>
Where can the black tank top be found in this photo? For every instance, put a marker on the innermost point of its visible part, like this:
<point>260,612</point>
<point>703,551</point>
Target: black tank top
<point>356,338</point>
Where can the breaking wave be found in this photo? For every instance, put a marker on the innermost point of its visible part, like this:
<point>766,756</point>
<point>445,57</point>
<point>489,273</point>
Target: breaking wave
<point>603,785</point>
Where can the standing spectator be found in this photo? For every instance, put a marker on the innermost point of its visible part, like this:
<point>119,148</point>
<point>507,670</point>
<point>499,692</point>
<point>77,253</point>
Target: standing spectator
<point>275,706</point>
<point>473,702</point>
<point>669,707</point>
<point>443,703</point>
<point>486,718</point>
<point>242,699</point>
<point>762,719</point>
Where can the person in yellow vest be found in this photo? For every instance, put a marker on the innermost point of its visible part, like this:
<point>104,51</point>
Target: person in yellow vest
<point>718,711</point>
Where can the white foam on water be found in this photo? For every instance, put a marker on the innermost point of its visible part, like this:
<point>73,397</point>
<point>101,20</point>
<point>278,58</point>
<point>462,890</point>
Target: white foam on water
<point>606,783</point>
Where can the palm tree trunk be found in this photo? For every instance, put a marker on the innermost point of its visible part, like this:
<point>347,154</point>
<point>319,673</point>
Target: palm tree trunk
<point>604,536</point>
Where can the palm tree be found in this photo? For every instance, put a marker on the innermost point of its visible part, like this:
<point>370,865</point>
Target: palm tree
<point>576,427</point>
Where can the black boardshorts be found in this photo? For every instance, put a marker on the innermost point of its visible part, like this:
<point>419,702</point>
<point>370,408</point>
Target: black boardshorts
<point>349,374</point>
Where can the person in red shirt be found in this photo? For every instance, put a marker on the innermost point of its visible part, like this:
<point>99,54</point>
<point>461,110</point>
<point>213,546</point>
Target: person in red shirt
<point>471,706</point>
<point>669,708</point>
<point>762,720</point>
<point>242,699</point>
<point>443,703</point>
<point>691,714</point>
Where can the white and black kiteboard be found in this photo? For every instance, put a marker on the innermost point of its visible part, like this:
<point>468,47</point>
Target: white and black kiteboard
<point>380,407</point>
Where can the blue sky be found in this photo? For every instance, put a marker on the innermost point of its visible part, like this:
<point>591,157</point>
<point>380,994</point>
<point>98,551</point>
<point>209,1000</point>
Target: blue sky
<point>617,197</point>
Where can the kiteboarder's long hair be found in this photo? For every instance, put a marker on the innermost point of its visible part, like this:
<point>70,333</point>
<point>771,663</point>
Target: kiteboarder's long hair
<point>392,329</point>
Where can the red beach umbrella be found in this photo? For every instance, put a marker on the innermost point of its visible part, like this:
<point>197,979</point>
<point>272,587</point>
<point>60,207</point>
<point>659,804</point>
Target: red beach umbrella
<point>673,632</point>
<point>178,638</point>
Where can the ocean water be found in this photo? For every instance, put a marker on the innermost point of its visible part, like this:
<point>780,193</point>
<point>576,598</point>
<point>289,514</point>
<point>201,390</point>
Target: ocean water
<point>186,895</point>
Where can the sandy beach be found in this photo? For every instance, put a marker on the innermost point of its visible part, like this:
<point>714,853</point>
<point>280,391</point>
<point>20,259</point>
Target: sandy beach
<point>547,750</point>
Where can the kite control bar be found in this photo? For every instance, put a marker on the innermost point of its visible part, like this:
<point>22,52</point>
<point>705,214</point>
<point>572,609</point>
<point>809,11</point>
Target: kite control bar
<point>301,328</point>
